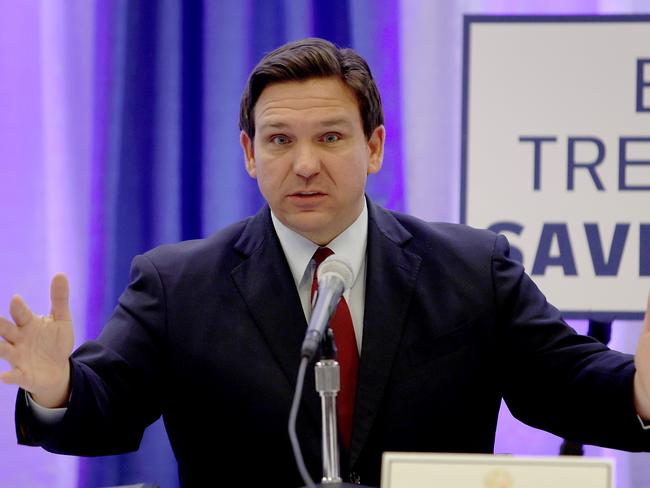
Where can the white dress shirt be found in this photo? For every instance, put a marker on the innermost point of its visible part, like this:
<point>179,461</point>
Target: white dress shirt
<point>349,245</point>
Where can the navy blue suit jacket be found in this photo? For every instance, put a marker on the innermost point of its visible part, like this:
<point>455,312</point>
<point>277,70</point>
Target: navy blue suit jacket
<point>208,334</point>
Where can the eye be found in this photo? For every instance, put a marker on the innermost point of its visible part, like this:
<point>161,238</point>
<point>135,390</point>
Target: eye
<point>280,140</point>
<point>331,137</point>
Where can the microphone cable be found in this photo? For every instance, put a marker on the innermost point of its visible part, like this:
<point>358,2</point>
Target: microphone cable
<point>293,415</point>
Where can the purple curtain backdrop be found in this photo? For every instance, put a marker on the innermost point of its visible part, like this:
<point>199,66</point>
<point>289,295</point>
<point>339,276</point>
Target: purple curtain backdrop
<point>118,132</point>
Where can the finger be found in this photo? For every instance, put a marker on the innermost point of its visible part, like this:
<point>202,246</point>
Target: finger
<point>59,295</point>
<point>13,377</point>
<point>8,352</point>
<point>19,311</point>
<point>8,331</point>
<point>646,323</point>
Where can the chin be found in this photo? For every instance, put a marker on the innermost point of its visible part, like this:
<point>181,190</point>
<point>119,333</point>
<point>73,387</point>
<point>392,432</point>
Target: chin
<point>310,230</point>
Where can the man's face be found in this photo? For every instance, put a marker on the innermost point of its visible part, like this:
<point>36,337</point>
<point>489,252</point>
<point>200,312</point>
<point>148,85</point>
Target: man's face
<point>310,155</point>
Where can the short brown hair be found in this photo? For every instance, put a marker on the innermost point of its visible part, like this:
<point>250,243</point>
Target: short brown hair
<point>313,58</point>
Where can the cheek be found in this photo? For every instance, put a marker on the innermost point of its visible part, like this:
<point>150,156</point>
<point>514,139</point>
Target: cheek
<point>269,178</point>
<point>354,171</point>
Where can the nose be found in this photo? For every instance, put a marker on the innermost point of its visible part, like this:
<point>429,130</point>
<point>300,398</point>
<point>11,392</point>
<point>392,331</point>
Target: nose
<point>307,162</point>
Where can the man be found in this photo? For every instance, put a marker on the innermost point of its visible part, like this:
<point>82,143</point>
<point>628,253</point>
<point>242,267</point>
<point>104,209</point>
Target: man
<point>208,333</point>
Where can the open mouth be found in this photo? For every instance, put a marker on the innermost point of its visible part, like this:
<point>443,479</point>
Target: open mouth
<point>307,199</point>
<point>307,194</point>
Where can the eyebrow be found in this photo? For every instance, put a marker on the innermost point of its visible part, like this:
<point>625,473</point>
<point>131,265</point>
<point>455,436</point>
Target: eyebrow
<point>274,125</point>
<point>334,122</point>
<point>279,125</point>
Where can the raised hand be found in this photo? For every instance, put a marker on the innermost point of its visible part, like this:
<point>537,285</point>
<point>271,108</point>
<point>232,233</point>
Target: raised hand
<point>642,363</point>
<point>37,347</point>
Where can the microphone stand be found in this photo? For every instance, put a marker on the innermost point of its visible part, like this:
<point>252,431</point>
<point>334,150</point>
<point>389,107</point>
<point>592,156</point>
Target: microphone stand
<point>328,381</point>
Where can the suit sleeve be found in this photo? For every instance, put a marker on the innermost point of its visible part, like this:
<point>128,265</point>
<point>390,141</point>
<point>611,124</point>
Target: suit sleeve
<point>117,381</point>
<point>556,380</point>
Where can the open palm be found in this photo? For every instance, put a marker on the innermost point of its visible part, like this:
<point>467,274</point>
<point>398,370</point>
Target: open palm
<point>38,347</point>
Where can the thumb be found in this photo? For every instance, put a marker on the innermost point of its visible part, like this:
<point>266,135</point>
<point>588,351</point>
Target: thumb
<point>59,295</point>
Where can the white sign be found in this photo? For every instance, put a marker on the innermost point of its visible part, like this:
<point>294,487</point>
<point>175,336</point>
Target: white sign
<point>424,470</point>
<point>556,153</point>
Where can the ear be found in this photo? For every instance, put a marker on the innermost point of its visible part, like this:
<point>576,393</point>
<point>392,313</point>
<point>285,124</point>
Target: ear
<point>249,153</point>
<point>376,149</point>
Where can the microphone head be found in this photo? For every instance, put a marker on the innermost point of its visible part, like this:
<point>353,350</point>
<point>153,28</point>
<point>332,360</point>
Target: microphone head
<point>335,265</point>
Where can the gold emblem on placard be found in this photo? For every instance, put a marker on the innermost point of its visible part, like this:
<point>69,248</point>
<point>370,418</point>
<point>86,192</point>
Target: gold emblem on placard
<point>497,478</point>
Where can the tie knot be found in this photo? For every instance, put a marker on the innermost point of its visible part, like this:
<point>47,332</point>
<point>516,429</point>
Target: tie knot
<point>321,254</point>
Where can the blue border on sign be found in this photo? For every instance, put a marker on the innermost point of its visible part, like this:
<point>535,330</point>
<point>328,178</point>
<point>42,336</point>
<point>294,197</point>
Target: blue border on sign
<point>602,316</point>
<point>468,21</point>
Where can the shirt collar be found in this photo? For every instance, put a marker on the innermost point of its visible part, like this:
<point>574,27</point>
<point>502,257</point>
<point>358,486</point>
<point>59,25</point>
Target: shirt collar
<point>350,245</point>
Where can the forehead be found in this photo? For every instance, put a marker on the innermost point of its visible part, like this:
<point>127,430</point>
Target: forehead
<point>298,100</point>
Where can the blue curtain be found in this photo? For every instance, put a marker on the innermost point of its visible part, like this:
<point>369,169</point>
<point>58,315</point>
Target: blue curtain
<point>166,159</point>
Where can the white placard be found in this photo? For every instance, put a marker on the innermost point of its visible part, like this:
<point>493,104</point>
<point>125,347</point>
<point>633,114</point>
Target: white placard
<point>423,470</point>
<point>556,153</point>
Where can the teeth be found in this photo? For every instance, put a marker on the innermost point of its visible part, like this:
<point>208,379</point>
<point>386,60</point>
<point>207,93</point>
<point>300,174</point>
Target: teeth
<point>308,193</point>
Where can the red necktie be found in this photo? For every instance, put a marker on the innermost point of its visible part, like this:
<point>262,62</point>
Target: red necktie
<point>348,355</point>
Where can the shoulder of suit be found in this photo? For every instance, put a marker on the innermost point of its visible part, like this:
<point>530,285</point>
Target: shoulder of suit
<point>443,233</point>
<point>199,251</point>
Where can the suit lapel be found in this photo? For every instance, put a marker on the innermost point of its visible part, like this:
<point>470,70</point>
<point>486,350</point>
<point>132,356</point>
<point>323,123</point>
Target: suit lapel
<point>265,283</point>
<point>390,279</point>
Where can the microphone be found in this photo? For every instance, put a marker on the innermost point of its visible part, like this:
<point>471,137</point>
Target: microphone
<point>335,276</point>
